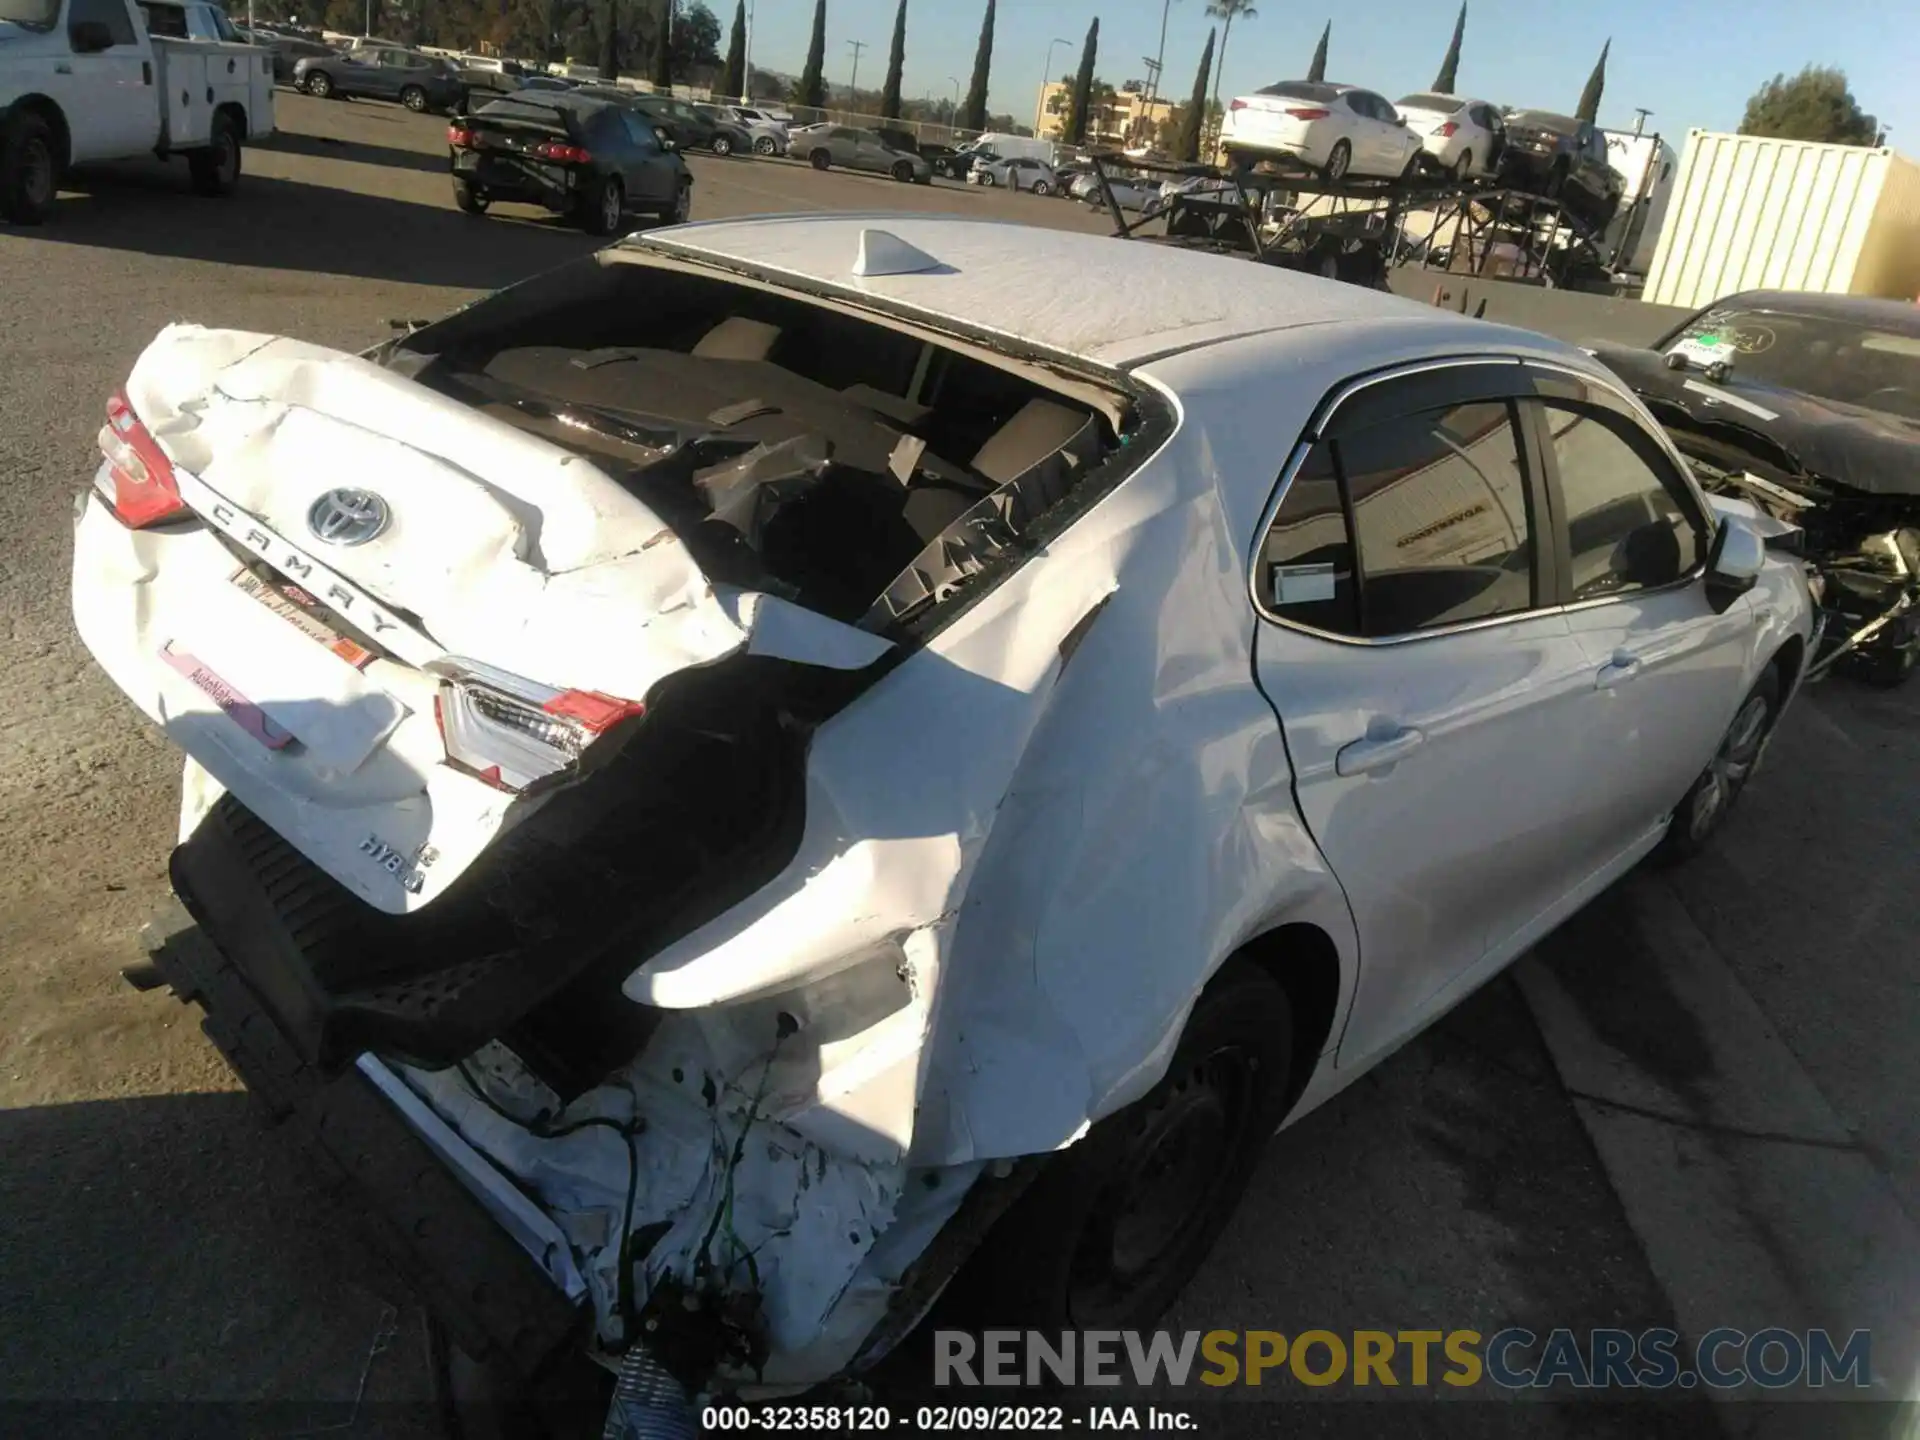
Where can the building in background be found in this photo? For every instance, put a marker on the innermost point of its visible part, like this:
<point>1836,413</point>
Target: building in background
<point>1122,119</point>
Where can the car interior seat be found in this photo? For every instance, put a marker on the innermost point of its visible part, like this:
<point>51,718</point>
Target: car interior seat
<point>738,338</point>
<point>1034,431</point>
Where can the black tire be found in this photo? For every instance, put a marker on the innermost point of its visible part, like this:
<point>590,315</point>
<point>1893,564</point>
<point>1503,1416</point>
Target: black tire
<point>415,99</point>
<point>1888,667</point>
<point>1703,810</point>
<point>30,164</point>
<point>1057,1260</point>
<point>1463,167</point>
<point>985,178</point>
<point>319,84</point>
<point>1339,161</point>
<point>903,172</point>
<point>1556,185</point>
<point>469,198</point>
<point>820,159</point>
<point>216,169</point>
<point>1416,163</point>
<point>603,207</point>
<point>1041,187</point>
<point>763,145</point>
<point>721,145</point>
<point>680,210</point>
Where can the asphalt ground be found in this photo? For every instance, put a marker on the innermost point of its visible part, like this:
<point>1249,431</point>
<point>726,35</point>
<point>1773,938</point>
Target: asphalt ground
<point>157,1247</point>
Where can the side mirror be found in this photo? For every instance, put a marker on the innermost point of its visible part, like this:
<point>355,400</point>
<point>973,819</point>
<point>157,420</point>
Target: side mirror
<point>1734,563</point>
<point>89,37</point>
<point>667,142</point>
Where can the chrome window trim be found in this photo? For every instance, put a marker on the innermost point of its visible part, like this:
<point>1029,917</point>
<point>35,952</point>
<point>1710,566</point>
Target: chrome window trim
<point>1324,415</point>
<point>1315,428</point>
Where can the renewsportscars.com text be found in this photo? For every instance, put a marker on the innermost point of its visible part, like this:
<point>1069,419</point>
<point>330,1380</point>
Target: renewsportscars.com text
<point>1512,1359</point>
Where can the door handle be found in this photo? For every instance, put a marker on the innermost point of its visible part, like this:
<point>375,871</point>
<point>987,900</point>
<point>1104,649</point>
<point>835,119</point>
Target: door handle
<point>1377,751</point>
<point>1624,666</point>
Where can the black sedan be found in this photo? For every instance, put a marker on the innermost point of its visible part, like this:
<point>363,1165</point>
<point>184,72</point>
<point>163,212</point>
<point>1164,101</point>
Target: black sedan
<point>418,81</point>
<point>594,161</point>
<point>1807,407</point>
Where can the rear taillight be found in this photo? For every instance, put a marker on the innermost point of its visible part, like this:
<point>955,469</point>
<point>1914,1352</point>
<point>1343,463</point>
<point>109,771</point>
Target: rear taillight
<point>563,154</point>
<point>459,137</point>
<point>1237,105</point>
<point>139,483</point>
<point>1446,130</point>
<point>512,732</point>
<point>1309,113</point>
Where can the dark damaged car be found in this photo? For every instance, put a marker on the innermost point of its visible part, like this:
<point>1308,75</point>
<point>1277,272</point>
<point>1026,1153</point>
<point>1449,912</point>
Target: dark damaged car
<point>1807,407</point>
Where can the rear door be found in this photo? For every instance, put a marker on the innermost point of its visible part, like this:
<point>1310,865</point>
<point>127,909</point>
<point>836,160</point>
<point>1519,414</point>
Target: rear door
<point>1665,670</point>
<point>649,174</point>
<point>1411,643</point>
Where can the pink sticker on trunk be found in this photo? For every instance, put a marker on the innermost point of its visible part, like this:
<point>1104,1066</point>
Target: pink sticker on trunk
<point>242,711</point>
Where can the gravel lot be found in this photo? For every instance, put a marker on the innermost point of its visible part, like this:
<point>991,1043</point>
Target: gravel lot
<point>155,1246</point>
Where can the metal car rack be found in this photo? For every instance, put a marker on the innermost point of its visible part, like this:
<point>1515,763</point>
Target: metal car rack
<point>1355,229</point>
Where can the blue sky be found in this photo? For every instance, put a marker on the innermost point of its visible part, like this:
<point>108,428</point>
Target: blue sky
<point>1691,62</point>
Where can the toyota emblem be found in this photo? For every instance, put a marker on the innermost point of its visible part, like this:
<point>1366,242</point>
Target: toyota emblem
<point>348,517</point>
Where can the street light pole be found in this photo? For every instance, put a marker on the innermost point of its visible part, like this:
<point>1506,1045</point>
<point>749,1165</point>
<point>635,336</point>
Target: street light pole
<point>1160,55</point>
<point>1046,79</point>
<point>746,68</point>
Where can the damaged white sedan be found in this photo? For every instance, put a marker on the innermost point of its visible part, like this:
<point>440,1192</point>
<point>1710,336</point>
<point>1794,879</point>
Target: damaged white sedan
<point>736,778</point>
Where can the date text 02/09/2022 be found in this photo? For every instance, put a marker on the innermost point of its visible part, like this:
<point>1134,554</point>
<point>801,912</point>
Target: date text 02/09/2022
<point>941,1419</point>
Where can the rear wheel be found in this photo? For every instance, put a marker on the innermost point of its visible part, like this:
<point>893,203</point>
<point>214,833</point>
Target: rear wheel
<point>985,177</point>
<point>678,212</point>
<point>763,145</point>
<point>216,169</point>
<point>29,169</point>
<point>1463,167</point>
<point>1704,809</point>
<point>1118,1222</point>
<point>415,99</point>
<point>721,145</point>
<point>603,207</point>
<point>903,172</point>
<point>820,159</point>
<point>1339,161</point>
<point>470,197</point>
<point>1041,187</point>
<point>319,84</point>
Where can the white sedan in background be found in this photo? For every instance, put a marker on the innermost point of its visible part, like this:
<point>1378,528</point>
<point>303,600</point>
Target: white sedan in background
<point>1016,172</point>
<point>1248,669</point>
<point>1339,130</point>
<point>1462,137</point>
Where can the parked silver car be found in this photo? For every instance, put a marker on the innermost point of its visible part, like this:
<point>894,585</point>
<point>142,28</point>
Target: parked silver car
<point>766,136</point>
<point>1017,172</point>
<point>851,148</point>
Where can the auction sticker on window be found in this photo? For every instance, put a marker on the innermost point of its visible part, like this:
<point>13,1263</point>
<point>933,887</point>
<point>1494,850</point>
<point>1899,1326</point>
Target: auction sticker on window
<point>1708,348</point>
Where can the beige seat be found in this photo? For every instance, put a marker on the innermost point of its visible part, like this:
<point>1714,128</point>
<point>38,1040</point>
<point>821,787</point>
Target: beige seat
<point>738,338</point>
<point>1037,429</point>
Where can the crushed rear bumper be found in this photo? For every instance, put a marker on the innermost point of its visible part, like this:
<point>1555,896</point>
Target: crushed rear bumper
<point>428,1228</point>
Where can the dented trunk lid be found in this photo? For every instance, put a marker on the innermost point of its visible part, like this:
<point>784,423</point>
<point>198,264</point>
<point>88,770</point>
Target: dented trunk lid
<point>371,575</point>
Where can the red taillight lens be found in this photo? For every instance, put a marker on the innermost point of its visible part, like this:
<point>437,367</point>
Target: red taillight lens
<point>1446,130</point>
<point>1237,105</point>
<point>144,491</point>
<point>563,154</point>
<point>1309,113</point>
<point>460,139</point>
<point>512,732</point>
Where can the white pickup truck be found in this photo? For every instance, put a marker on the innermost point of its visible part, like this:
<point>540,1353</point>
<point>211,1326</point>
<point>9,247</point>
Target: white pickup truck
<point>87,80</point>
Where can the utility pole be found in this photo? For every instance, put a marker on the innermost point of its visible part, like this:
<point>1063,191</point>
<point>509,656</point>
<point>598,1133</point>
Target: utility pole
<point>746,69</point>
<point>1046,79</point>
<point>1160,55</point>
<point>1640,120</point>
<point>853,83</point>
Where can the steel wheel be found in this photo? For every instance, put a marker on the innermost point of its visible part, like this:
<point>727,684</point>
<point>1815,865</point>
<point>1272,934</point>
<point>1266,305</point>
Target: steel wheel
<point>763,145</point>
<point>1040,187</point>
<point>722,145</point>
<point>415,99</point>
<point>319,85</point>
<point>612,207</point>
<point>1339,160</point>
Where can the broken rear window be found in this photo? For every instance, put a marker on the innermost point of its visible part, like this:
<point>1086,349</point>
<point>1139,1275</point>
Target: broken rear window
<point>863,470</point>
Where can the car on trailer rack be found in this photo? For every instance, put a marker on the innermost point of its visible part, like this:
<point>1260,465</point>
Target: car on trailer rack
<point>1463,137</point>
<point>1336,130</point>
<point>1560,158</point>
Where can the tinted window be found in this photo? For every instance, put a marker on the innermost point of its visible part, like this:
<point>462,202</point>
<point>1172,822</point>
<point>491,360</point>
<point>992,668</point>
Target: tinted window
<point>640,132</point>
<point>1440,507</point>
<point>222,26</point>
<point>168,21</point>
<point>1301,90</point>
<point>1306,561</point>
<point>1446,104</point>
<point>1626,526</point>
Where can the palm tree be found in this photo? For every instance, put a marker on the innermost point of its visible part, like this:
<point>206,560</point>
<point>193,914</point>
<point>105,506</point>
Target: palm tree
<point>1227,11</point>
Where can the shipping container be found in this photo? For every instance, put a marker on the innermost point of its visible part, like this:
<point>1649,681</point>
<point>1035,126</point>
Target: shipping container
<point>1752,213</point>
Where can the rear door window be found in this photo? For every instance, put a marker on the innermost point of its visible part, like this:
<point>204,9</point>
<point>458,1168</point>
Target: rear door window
<point>1630,526</point>
<point>1306,573</point>
<point>1442,515</point>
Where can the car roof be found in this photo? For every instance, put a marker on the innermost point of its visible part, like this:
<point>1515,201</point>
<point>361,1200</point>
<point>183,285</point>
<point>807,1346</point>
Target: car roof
<point>1901,316</point>
<point>1548,119</point>
<point>1036,285</point>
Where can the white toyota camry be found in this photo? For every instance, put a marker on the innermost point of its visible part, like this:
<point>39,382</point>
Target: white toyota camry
<point>791,756</point>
